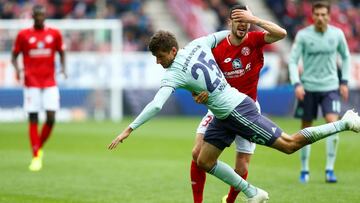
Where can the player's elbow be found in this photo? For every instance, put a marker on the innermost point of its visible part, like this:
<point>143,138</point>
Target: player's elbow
<point>282,34</point>
<point>158,107</point>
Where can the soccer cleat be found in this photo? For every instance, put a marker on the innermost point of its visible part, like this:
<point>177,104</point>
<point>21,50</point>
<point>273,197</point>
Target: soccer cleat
<point>352,120</point>
<point>260,197</point>
<point>304,176</point>
<point>36,164</point>
<point>330,176</point>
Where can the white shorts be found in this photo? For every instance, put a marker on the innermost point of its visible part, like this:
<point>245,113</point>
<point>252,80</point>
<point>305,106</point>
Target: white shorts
<point>242,145</point>
<point>37,99</point>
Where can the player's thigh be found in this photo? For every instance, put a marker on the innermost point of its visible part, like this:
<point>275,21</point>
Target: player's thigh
<point>307,109</point>
<point>218,135</point>
<point>331,105</point>
<point>32,99</point>
<point>243,145</point>
<point>51,98</point>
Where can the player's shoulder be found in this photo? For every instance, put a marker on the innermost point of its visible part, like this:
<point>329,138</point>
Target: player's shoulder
<point>306,30</point>
<point>52,29</point>
<point>25,30</point>
<point>335,29</point>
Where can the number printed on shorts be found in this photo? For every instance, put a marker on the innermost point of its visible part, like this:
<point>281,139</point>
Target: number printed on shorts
<point>204,67</point>
<point>257,140</point>
<point>207,120</point>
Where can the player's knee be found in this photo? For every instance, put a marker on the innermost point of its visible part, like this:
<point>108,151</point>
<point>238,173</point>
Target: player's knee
<point>33,117</point>
<point>241,170</point>
<point>195,152</point>
<point>205,165</point>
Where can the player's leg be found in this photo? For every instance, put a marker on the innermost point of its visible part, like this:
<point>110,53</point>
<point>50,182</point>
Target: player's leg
<point>47,127</point>
<point>208,160</point>
<point>197,175</point>
<point>331,107</point>
<point>290,144</point>
<point>220,134</point>
<point>51,102</point>
<point>32,106</point>
<point>305,156</point>
<point>244,150</point>
<point>307,111</point>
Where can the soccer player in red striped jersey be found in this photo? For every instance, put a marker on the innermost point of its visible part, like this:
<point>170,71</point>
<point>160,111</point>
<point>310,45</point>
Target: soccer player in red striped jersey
<point>38,45</point>
<point>240,57</point>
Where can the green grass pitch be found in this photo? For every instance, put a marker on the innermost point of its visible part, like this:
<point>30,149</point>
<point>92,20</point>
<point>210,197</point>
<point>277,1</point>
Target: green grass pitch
<point>152,166</point>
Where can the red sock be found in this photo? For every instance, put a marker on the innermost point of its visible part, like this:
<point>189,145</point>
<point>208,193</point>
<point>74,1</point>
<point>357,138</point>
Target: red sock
<point>34,138</point>
<point>45,133</point>
<point>198,177</point>
<point>234,193</point>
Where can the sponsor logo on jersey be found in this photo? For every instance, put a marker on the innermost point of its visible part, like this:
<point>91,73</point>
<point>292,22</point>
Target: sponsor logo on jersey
<point>245,51</point>
<point>39,52</point>
<point>227,60</point>
<point>40,45</point>
<point>273,129</point>
<point>49,39</point>
<point>32,40</point>
<point>236,64</point>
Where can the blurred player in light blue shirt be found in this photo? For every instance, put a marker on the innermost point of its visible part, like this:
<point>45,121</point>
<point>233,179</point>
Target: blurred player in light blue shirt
<point>319,45</point>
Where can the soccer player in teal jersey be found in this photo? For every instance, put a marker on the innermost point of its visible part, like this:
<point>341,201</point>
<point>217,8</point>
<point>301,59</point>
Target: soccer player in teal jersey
<point>318,45</point>
<point>194,68</point>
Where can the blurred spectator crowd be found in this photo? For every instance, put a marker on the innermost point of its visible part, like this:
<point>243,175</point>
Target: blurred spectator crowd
<point>137,27</point>
<point>296,14</point>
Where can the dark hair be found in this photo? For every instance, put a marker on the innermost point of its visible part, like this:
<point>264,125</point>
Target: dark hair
<point>162,41</point>
<point>38,9</point>
<point>321,4</point>
<point>239,6</point>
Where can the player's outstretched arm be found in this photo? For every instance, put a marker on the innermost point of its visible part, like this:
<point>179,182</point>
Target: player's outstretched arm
<point>147,113</point>
<point>120,138</point>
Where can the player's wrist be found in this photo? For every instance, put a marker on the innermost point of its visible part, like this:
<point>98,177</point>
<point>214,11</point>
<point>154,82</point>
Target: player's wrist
<point>297,84</point>
<point>343,82</point>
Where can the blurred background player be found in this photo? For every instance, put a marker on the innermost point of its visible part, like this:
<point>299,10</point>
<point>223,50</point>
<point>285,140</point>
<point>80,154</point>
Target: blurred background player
<point>240,57</point>
<point>38,46</point>
<point>318,85</point>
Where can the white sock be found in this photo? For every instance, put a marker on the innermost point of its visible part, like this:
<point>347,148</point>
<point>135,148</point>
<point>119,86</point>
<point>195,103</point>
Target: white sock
<point>331,149</point>
<point>304,157</point>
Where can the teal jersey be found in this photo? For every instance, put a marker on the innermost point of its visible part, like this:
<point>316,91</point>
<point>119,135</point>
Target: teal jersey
<point>195,69</point>
<point>319,53</point>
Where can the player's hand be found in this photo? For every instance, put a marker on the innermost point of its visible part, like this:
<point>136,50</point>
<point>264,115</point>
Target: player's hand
<point>344,92</point>
<point>201,98</point>
<point>300,92</point>
<point>244,16</point>
<point>120,138</point>
<point>63,72</point>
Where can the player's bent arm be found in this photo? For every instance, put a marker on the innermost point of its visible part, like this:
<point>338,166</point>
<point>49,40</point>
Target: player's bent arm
<point>153,107</point>
<point>273,31</point>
